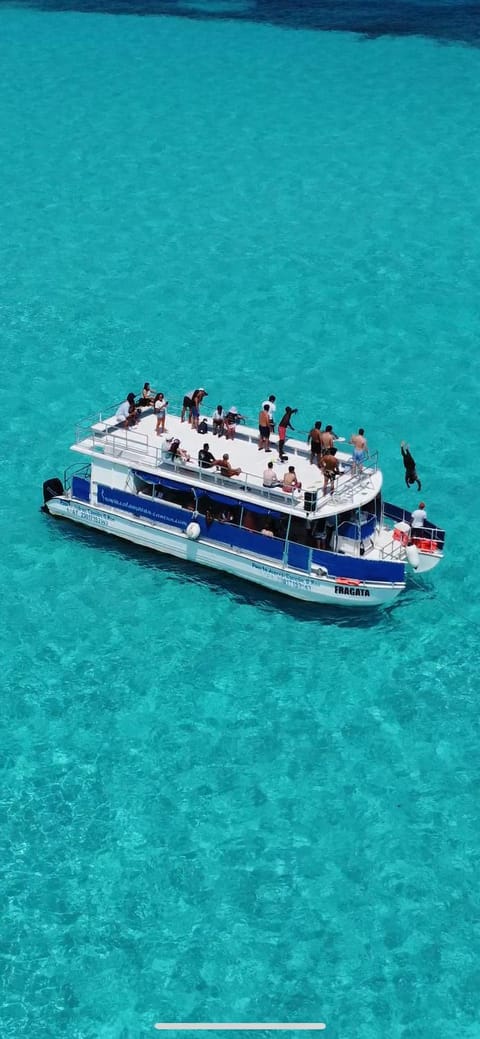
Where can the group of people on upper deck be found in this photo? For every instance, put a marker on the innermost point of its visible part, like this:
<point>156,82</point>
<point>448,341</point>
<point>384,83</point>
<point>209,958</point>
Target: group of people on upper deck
<point>224,423</point>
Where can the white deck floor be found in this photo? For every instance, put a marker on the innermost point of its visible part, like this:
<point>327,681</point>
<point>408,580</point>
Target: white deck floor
<point>140,447</point>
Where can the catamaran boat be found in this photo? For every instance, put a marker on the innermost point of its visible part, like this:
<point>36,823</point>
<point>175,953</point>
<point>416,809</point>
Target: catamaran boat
<point>346,547</point>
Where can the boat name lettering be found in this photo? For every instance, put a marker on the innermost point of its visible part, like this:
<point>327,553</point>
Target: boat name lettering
<point>345,589</point>
<point>140,508</point>
<point>287,579</point>
<point>87,516</point>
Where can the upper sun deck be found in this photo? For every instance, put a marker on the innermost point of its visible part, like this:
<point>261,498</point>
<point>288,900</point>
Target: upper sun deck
<point>140,448</point>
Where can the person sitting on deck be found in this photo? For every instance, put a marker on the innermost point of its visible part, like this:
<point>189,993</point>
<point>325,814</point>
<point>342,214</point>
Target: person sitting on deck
<point>290,482</point>
<point>267,529</point>
<point>231,418</point>
<point>205,458</point>
<point>218,421</point>
<point>147,396</point>
<point>128,413</point>
<point>330,468</point>
<point>177,453</point>
<point>226,468</point>
<point>270,478</point>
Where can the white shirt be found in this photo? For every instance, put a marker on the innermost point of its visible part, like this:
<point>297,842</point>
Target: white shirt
<point>123,411</point>
<point>272,407</point>
<point>270,478</point>
<point>418,517</point>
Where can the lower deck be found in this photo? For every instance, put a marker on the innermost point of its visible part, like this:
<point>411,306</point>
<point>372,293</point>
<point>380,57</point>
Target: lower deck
<point>262,533</point>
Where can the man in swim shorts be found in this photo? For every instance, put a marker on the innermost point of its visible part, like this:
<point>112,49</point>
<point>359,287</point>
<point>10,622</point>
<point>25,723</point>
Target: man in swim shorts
<point>264,428</point>
<point>315,440</point>
<point>330,468</point>
<point>360,449</point>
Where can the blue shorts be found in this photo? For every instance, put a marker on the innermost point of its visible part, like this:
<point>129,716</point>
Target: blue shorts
<point>358,456</point>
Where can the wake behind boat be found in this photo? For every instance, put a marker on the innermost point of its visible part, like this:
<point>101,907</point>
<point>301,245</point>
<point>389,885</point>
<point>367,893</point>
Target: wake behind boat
<point>347,546</point>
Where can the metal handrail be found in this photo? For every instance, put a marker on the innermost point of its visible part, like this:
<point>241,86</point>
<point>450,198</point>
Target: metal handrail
<point>247,481</point>
<point>74,470</point>
<point>128,442</point>
<point>108,413</point>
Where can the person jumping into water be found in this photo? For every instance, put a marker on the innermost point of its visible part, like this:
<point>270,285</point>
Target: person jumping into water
<point>410,466</point>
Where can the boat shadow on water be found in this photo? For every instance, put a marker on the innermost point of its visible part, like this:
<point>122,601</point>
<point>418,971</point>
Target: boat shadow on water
<point>446,23</point>
<point>238,590</point>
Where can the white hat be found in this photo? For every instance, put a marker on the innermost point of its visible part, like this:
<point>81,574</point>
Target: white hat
<point>233,411</point>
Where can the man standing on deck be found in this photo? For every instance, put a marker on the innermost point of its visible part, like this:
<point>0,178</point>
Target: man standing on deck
<point>264,428</point>
<point>330,468</point>
<point>272,407</point>
<point>360,449</point>
<point>315,440</point>
<point>419,517</point>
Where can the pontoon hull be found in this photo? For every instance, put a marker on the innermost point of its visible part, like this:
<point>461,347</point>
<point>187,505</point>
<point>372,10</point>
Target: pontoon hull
<point>308,587</point>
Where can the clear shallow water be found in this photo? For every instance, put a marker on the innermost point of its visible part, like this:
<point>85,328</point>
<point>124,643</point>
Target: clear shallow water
<point>217,805</point>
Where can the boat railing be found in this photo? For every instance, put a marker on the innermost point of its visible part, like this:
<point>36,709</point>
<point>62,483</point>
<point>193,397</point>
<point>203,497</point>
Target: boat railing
<point>75,470</point>
<point>250,482</point>
<point>103,423</point>
<point>105,434</point>
<point>394,550</point>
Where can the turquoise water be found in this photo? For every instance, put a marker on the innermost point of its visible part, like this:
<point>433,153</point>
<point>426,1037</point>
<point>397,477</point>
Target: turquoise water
<point>217,805</point>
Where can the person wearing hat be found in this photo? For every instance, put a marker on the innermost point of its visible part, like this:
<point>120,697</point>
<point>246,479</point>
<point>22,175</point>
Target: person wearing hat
<point>231,418</point>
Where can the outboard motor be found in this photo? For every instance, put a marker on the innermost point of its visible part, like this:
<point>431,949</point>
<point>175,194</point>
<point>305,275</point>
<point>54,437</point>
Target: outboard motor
<point>51,489</point>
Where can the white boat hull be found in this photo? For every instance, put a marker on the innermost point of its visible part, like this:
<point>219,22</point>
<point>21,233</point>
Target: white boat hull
<point>309,587</point>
